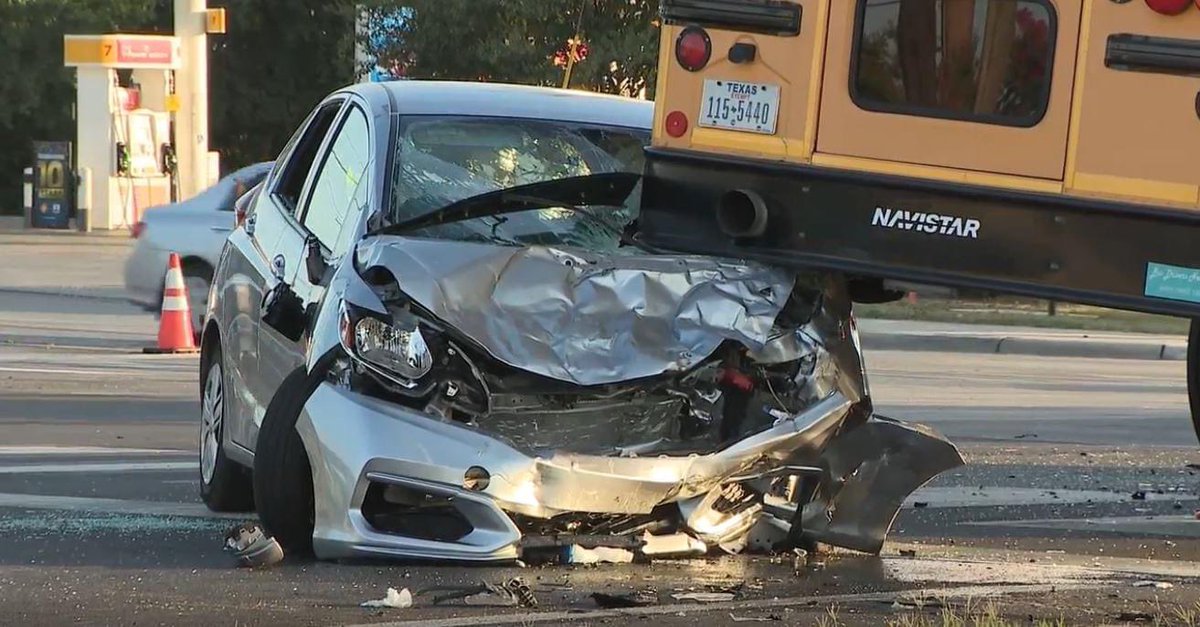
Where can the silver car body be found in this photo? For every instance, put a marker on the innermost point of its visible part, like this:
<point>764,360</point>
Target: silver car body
<point>195,229</point>
<point>634,338</point>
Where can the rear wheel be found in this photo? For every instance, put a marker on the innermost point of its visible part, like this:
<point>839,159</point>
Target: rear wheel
<point>1193,374</point>
<point>224,485</point>
<point>283,487</point>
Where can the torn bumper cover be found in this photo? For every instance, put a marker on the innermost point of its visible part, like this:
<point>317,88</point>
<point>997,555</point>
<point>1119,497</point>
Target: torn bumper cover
<point>627,400</point>
<point>369,443</point>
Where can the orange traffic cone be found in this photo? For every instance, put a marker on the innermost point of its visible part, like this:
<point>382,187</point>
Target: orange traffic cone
<point>175,328</point>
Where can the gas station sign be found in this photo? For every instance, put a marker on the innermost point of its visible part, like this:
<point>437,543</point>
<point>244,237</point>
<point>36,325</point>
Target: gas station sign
<point>125,51</point>
<point>51,185</point>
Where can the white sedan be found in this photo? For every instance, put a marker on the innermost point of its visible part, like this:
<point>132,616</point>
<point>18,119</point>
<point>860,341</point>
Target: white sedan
<point>196,229</point>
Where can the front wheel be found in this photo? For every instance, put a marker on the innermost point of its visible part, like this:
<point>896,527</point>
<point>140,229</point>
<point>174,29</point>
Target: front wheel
<point>283,486</point>
<point>1193,375</point>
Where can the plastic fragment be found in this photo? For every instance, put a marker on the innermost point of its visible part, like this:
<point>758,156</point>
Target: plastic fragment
<point>576,554</point>
<point>395,599</point>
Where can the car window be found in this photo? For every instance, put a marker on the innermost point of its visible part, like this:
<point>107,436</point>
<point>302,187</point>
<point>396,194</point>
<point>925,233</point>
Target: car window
<point>982,61</point>
<point>296,169</point>
<point>339,187</point>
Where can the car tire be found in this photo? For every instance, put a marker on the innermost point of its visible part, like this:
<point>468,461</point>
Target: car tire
<point>283,487</point>
<point>225,485</point>
<point>1193,375</point>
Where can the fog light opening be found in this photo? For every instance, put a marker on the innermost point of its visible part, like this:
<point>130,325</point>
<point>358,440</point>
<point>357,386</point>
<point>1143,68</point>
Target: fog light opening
<point>476,479</point>
<point>742,213</point>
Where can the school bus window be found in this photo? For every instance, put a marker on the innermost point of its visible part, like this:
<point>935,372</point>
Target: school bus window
<point>977,60</point>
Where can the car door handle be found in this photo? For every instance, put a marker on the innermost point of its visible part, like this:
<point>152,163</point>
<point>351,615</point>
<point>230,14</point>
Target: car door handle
<point>221,229</point>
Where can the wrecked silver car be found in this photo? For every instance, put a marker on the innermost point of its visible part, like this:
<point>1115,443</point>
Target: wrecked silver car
<point>437,336</point>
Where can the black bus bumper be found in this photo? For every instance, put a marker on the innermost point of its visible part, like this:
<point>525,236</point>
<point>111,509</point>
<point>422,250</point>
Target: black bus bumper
<point>1096,252</point>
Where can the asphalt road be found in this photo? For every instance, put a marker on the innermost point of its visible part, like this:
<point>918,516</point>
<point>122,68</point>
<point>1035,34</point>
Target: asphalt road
<point>100,522</point>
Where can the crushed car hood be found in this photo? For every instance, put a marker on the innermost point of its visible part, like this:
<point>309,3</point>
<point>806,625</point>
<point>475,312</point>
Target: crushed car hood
<point>581,317</point>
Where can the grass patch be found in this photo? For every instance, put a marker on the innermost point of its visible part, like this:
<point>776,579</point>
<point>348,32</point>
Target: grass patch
<point>1024,312</point>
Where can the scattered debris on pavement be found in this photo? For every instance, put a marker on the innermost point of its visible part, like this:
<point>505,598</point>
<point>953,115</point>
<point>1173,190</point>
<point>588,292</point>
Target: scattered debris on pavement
<point>512,593</point>
<point>1146,583</point>
<point>637,598</point>
<point>755,619</point>
<point>395,599</point>
<point>704,597</point>
<point>252,547</point>
<point>576,554</point>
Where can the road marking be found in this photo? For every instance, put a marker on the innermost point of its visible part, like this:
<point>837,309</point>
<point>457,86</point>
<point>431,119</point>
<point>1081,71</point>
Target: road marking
<point>29,469</point>
<point>1176,526</point>
<point>88,450</point>
<point>949,593</point>
<point>991,496</point>
<point>113,506</point>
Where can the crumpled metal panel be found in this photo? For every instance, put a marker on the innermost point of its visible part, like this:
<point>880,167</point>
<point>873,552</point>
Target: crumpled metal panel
<point>868,472</point>
<point>588,319</point>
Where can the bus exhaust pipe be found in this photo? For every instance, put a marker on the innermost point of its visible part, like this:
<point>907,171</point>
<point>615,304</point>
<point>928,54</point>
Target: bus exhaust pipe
<point>742,213</point>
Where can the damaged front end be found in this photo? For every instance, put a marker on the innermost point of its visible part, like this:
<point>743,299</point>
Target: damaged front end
<point>488,403</point>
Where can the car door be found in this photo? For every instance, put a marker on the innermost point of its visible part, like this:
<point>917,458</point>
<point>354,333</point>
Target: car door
<point>335,193</point>
<point>270,231</point>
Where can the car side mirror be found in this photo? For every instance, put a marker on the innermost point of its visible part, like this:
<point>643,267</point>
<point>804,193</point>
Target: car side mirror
<point>314,261</point>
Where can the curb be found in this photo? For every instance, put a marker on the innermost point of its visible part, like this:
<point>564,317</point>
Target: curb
<point>111,298</point>
<point>1017,345</point>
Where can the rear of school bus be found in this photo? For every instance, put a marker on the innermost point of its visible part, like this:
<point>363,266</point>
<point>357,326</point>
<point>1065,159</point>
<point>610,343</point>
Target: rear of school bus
<point>1048,148</point>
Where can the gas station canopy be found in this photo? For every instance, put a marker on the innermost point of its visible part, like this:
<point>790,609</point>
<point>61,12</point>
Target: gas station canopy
<point>122,51</point>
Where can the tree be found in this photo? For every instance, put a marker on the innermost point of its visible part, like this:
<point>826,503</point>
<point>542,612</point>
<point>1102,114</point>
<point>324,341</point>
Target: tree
<point>276,62</point>
<point>516,40</point>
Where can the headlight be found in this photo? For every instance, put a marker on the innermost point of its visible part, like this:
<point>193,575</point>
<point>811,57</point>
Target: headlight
<point>398,349</point>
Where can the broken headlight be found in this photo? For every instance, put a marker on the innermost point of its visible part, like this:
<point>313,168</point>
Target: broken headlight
<point>395,348</point>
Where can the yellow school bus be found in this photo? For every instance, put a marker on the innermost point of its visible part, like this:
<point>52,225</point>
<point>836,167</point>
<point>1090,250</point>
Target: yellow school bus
<point>1048,148</point>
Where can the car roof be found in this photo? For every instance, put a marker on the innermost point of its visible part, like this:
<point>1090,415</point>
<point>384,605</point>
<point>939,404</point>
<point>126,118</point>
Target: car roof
<point>421,97</point>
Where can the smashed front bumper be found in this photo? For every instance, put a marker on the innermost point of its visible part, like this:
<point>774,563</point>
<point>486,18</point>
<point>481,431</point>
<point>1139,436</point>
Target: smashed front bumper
<point>360,447</point>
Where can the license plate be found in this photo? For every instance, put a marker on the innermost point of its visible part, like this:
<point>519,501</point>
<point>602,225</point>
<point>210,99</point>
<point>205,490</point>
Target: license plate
<point>738,106</point>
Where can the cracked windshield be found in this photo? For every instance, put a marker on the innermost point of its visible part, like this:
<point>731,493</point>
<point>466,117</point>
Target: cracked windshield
<point>444,160</point>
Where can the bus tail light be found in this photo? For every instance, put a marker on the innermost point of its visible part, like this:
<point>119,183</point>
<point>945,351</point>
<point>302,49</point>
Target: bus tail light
<point>677,124</point>
<point>1168,7</point>
<point>693,49</point>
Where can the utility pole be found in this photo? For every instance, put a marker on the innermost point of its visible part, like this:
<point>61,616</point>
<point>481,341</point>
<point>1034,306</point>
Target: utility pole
<point>191,88</point>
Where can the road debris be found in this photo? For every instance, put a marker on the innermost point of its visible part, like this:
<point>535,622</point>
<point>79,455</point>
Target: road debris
<point>704,597</point>
<point>1134,617</point>
<point>1139,495</point>
<point>394,599</point>
<point>1146,583</point>
<point>576,554</point>
<point>637,598</point>
<point>673,545</point>
<point>252,547</point>
<point>512,593</point>
<point>755,619</point>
